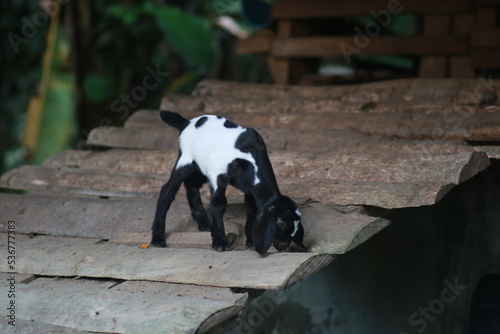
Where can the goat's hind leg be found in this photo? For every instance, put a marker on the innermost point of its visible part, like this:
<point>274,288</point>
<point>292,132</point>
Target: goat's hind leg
<point>193,184</point>
<point>218,203</point>
<point>165,199</point>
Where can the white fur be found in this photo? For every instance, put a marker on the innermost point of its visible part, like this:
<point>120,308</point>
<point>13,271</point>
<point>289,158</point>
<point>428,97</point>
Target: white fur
<point>212,147</point>
<point>296,222</point>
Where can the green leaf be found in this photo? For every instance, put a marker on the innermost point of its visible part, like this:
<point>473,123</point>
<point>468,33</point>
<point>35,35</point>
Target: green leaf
<point>189,34</point>
<point>97,87</point>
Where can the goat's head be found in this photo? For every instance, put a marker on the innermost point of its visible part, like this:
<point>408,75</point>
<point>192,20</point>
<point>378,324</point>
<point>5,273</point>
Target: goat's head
<point>278,224</point>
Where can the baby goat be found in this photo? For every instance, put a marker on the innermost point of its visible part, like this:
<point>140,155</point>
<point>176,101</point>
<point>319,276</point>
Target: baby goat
<point>216,150</point>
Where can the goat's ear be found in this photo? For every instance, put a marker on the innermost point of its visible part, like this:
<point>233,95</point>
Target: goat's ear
<point>299,236</point>
<point>265,229</point>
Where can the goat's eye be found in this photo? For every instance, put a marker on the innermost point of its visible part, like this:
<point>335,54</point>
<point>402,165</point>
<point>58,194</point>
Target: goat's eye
<point>281,224</point>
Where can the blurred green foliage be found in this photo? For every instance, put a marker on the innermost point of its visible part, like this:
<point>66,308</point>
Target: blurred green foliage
<point>105,50</point>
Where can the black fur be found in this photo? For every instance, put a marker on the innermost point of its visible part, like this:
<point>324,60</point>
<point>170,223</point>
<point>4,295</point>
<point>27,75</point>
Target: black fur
<point>200,122</point>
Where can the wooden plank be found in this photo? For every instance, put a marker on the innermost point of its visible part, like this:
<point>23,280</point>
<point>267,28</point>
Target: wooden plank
<point>325,8</point>
<point>231,108</point>
<point>37,327</point>
<point>61,256</point>
<point>340,192</point>
<point>129,221</point>
<point>379,165</point>
<point>146,307</point>
<point>83,182</point>
<point>463,24</point>
<point>409,91</point>
<point>97,217</point>
<point>286,139</point>
<point>459,125</point>
<point>134,138</point>
<point>485,58</point>
<point>486,17</point>
<point>486,38</point>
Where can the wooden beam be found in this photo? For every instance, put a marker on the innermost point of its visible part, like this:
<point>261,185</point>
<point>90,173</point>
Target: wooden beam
<point>461,67</point>
<point>325,8</point>
<point>280,68</point>
<point>259,43</point>
<point>60,256</point>
<point>380,45</point>
<point>485,58</point>
<point>486,38</point>
<point>435,66</point>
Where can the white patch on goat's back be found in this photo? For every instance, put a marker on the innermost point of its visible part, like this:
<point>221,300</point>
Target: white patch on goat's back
<point>296,224</point>
<point>212,147</point>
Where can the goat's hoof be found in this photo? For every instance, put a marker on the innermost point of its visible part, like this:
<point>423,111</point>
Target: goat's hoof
<point>220,245</point>
<point>249,245</point>
<point>158,243</point>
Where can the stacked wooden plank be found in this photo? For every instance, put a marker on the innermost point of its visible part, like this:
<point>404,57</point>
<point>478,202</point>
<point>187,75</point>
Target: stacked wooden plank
<point>339,151</point>
<point>456,38</point>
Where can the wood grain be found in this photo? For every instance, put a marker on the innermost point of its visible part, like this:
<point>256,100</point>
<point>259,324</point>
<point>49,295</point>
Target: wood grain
<point>62,256</point>
<point>409,91</point>
<point>107,306</point>
<point>128,221</point>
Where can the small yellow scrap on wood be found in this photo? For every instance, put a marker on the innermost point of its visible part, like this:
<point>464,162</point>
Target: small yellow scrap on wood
<point>144,246</point>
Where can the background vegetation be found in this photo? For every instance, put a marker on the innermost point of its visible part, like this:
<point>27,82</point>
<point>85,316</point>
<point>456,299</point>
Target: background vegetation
<point>91,63</point>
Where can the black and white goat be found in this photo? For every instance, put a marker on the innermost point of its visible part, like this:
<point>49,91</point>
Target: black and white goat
<point>216,150</point>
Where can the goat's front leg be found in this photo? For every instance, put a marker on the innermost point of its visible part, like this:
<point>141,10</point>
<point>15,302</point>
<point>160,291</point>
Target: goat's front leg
<point>251,209</point>
<point>218,205</point>
<point>167,196</point>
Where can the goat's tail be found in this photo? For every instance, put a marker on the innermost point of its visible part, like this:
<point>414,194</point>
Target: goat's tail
<point>174,119</point>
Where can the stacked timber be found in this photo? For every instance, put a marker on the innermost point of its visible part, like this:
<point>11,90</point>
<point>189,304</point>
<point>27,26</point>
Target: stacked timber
<point>338,151</point>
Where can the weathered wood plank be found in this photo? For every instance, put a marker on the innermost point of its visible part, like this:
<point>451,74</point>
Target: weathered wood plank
<point>340,192</point>
<point>409,91</point>
<point>159,137</point>
<point>99,218</point>
<point>382,45</point>
<point>129,221</point>
<point>456,125</point>
<point>325,184</point>
<point>146,307</point>
<point>62,256</point>
<point>37,327</point>
<point>340,141</point>
<point>379,165</point>
<point>325,8</point>
<point>192,106</point>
